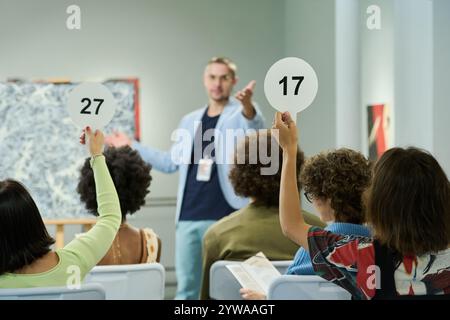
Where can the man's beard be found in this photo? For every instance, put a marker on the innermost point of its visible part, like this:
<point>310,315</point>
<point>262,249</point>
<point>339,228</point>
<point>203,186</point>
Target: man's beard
<point>222,98</point>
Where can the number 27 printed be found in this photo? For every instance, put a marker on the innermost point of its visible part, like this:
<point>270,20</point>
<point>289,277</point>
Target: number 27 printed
<point>86,107</point>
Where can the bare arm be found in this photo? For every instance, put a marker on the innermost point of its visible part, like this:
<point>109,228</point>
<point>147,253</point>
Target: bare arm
<point>291,218</point>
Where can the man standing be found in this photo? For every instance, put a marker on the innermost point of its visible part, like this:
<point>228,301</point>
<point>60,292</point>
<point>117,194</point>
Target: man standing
<point>205,194</point>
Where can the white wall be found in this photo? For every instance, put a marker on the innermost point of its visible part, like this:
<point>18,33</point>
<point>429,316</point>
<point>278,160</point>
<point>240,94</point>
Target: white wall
<point>413,69</point>
<point>348,87</point>
<point>310,36</point>
<point>377,63</point>
<point>441,118</point>
<point>397,69</point>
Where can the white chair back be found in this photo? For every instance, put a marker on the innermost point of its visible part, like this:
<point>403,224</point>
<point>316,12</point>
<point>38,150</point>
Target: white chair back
<point>224,286</point>
<point>85,292</point>
<point>293,287</point>
<point>130,282</point>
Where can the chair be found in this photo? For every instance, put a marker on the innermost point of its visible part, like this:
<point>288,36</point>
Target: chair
<point>130,282</point>
<point>224,286</point>
<point>85,292</point>
<point>293,287</point>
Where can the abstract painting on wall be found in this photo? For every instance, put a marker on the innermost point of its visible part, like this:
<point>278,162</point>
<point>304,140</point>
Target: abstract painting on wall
<point>379,130</point>
<point>39,142</point>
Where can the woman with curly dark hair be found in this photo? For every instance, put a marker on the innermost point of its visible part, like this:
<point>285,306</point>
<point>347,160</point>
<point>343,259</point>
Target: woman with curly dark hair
<point>131,176</point>
<point>255,227</point>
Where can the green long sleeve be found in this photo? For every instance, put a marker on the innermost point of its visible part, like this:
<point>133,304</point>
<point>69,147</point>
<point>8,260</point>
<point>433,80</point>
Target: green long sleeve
<point>78,257</point>
<point>92,246</point>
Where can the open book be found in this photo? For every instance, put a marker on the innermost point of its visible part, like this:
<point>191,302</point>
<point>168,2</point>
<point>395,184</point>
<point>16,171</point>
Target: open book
<point>255,273</point>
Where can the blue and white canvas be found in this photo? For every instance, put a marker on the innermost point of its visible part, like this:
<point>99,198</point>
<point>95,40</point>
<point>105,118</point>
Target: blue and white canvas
<point>39,142</point>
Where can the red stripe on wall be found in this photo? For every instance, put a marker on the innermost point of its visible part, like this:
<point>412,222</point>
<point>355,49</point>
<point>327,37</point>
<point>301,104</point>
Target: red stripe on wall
<point>380,134</point>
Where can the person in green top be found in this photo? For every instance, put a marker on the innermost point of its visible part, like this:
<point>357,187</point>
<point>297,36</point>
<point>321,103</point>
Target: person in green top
<point>26,259</point>
<point>255,227</point>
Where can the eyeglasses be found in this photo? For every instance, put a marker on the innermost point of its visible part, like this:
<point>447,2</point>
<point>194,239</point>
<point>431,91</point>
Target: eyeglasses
<point>308,197</point>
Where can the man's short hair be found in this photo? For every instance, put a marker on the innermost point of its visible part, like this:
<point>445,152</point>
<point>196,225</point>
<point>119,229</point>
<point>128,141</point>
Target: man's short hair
<point>226,61</point>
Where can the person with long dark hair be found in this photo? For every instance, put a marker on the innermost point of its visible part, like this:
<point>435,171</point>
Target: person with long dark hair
<point>26,257</point>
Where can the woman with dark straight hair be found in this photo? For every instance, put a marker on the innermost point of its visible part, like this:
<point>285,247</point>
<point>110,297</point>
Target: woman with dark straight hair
<point>408,206</point>
<point>32,241</point>
<point>26,259</point>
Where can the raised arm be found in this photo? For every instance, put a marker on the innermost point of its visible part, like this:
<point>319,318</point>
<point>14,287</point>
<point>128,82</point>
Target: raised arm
<point>291,218</point>
<point>88,249</point>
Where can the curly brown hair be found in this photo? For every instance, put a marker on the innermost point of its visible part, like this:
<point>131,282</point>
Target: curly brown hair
<point>131,176</point>
<point>246,177</point>
<point>341,175</point>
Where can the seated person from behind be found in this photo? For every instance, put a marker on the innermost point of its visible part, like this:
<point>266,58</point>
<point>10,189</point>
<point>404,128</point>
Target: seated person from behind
<point>408,207</point>
<point>131,176</point>
<point>255,227</point>
<point>26,259</point>
<point>334,183</point>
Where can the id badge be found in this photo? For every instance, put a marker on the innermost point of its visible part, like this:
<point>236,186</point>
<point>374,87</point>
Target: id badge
<point>204,169</point>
